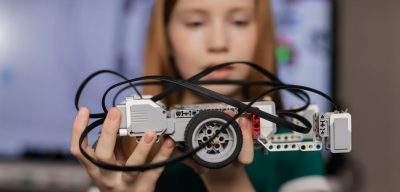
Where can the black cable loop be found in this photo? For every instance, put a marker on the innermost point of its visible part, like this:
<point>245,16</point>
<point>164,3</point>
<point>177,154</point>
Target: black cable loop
<point>173,159</point>
<point>211,94</point>
<point>88,79</point>
<point>193,86</point>
<point>213,68</point>
<point>229,82</point>
<point>147,166</point>
<point>298,92</point>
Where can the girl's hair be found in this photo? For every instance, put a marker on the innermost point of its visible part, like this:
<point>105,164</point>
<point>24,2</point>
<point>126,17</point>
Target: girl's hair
<point>158,59</point>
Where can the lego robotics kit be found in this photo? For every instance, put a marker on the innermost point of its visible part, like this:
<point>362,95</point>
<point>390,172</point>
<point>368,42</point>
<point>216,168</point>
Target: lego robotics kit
<point>211,137</point>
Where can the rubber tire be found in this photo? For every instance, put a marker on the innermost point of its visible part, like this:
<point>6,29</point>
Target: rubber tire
<point>196,120</point>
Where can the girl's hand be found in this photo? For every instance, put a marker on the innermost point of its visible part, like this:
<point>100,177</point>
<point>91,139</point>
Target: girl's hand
<point>233,177</point>
<point>107,152</point>
<point>245,156</point>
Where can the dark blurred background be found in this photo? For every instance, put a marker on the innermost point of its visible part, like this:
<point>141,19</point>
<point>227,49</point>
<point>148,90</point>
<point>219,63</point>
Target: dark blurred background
<point>347,49</point>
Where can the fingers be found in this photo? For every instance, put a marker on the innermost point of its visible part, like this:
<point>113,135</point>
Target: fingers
<point>267,98</point>
<point>141,151</point>
<point>247,152</point>
<point>230,112</point>
<point>246,155</point>
<point>139,155</point>
<point>150,177</point>
<point>79,125</point>
<point>165,151</point>
<point>119,154</point>
<point>106,143</point>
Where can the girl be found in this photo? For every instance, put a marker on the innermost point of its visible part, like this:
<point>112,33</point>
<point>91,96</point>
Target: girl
<point>186,37</point>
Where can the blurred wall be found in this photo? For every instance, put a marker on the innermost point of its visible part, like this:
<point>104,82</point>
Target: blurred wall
<point>369,84</point>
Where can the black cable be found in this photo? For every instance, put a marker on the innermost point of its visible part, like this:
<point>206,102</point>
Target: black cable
<point>258,68</point>
<point>213,95</point>
<point>174,159</point>
<point>192,85</point>
<point>87,80</point>
<point>213,68</point>
<point>243,83</point>
<point>298,92</point>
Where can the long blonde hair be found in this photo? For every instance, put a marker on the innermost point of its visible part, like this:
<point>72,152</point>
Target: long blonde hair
<point>157,60</point>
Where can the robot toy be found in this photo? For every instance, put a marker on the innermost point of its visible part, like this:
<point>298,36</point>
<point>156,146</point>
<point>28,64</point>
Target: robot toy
<point>208,134</point>
<point>190,126</point>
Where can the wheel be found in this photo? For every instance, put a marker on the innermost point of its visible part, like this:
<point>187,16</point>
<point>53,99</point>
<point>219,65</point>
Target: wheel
<point>223,149</point>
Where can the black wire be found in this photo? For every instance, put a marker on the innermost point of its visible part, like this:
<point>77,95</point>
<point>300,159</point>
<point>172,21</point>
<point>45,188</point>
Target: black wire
<point>211,94</point>
<point>228,82</point>
<point>173,159</point>
<point>213,68</point>
<point>192,85</point>
<point>87,80</point>
<point>148,166</point>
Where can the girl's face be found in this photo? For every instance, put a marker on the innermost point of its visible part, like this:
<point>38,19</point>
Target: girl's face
<point>203,33</point>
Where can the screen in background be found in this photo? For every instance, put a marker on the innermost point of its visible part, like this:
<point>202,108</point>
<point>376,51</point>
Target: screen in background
<point>48,47</point>
<point>303,53</point>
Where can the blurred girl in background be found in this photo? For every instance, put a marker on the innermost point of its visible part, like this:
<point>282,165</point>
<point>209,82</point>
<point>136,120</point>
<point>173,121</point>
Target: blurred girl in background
<point>186,37</point>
